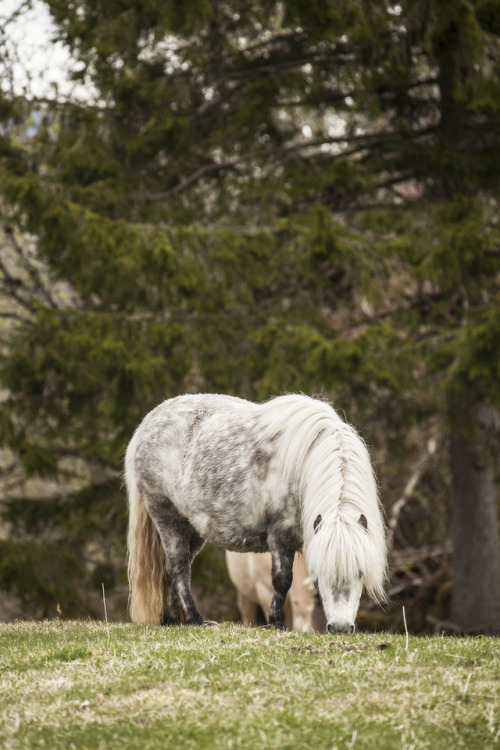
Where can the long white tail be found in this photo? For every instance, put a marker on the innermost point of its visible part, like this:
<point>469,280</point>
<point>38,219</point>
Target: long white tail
<point>146,558</point>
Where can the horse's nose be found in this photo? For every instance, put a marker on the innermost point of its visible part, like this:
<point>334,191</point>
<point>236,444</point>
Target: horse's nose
<point>341,627</point>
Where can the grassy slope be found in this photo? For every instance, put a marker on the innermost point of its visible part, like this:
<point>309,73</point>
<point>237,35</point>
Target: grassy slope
<point>83,685</point>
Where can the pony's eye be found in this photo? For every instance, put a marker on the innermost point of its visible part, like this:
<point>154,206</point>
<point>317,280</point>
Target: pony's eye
<point>363,521</point>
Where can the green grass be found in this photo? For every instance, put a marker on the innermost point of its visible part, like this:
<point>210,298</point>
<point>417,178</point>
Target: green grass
<point>83,685</point>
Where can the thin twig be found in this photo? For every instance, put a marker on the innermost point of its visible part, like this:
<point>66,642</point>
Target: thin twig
<point>406,629</point>
<point>105,610</point>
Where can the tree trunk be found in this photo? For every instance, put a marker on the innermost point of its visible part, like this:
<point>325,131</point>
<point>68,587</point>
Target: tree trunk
<point>476,582</point>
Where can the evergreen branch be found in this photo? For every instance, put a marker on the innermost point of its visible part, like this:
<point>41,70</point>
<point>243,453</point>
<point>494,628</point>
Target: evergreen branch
<point>197,175</point>
<point>33,272</point>
<point>16,316</point>
<point>205,169</point>
<point>10,286</point>
<point>272,67</point>
<point>263,44</point>
<point>363,140</point>
<point>355,94</point>
<point>13,477</point>
<point>335,51</point>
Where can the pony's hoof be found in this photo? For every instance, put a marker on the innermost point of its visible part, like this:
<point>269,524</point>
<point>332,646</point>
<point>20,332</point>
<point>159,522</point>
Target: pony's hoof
<point>194,620</point>
<point>169,622</point>
<point>210,623</point>
<point>279,626</point>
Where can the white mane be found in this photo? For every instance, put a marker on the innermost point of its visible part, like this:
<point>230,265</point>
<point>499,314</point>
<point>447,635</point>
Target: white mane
<point>328,465</point>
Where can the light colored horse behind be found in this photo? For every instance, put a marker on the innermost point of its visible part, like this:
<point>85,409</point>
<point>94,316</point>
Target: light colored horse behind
<point>250,573</point>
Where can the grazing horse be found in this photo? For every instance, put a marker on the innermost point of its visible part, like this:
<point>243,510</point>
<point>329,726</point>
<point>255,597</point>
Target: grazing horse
<point>279,476</point>
<point>250,573</point>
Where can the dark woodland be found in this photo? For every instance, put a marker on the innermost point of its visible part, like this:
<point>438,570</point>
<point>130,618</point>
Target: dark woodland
<point>253,199</point>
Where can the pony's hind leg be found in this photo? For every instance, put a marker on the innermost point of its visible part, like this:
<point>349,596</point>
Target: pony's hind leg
<point>171,614</point>
<point>282,546</point>
<point>181,543</point>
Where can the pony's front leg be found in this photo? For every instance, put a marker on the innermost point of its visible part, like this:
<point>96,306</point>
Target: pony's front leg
<point>282,548</point>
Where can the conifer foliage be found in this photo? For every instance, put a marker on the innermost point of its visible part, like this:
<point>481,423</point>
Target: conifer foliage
<point>257,198</point>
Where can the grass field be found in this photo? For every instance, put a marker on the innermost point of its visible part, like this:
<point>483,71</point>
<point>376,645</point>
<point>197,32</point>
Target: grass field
<point>86,685</point>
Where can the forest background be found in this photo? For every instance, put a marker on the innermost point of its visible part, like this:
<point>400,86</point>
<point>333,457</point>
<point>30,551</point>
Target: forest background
<point>254,198</point>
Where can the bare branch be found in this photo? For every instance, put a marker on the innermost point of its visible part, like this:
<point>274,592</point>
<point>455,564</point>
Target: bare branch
<point>409,489</point>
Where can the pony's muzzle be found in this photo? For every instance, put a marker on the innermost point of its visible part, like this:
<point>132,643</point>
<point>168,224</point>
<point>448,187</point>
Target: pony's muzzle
<point>341,627</point>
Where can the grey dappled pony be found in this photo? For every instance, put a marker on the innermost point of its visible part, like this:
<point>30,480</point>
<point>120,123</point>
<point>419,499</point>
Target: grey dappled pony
<point>280,476</point>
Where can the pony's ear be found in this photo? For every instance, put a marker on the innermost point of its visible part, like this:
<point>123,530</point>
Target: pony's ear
<point>362,521</point>
<point>317,523</point>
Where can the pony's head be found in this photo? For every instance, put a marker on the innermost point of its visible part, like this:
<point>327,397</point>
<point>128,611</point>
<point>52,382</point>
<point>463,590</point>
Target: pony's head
<point>343,560</point>
<point>341,606</point>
